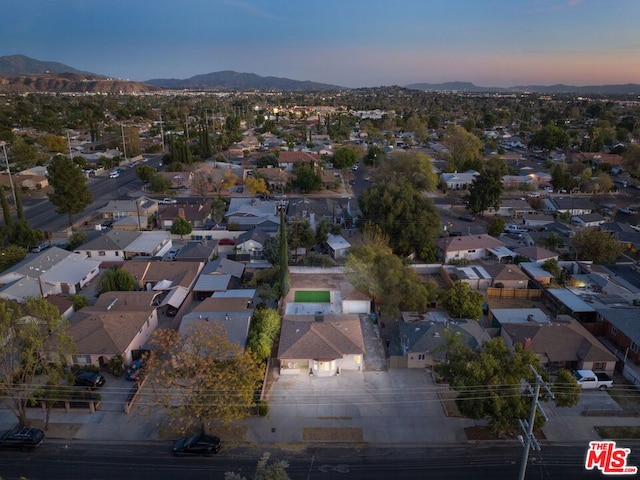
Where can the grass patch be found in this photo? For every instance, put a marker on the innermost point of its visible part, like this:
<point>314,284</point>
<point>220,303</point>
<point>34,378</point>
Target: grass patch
<point>625,394</point>
<point>312,296</point>
<point>618,433</point>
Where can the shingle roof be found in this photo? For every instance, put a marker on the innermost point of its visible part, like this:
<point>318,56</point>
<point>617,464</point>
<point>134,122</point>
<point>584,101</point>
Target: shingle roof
<point>107,333</point>
<point>302,337</point>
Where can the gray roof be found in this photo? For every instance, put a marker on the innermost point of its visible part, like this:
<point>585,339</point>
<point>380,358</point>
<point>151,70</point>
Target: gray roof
<point>112,240</point>
<point>236,324</point>
<point>572,301</point>
<point>212,283</point>
<point>41,262</point>
<point>256,235</point>
<point>429,336</point>
<point>224,266</point>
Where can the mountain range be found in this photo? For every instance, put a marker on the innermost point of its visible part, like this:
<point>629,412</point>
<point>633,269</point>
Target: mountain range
<point>22,74</point>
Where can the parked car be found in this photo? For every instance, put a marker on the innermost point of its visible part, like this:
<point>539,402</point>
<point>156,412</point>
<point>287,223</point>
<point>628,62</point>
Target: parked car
<point>588,379</point>
<point>515,229</point>
<point>40,247</point>
<point>197,444</point>
<point>455,234</point>
<point>89,379</point>
<point>21,437</point>
<point>173,253</point>
<point>628,211</point>
<point>467,218</point>
<point>134,372</point>
<point>114,174</point>
<point>168,201</point>
<point>226,241</point>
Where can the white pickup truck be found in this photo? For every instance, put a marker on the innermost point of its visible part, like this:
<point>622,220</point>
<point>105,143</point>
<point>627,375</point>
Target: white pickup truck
<point>589,379</point>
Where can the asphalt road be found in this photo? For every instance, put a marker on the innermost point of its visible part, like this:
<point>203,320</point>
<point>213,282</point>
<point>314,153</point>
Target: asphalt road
<point>54,461</point>
<point>41,213</point>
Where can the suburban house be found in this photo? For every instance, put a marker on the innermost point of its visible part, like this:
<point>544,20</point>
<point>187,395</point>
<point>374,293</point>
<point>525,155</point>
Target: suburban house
<point>199,251</point>
<point>120,245</point>
<point>466,247</point>
<point>537,221</point>
<point>313,209</point>
<point>476,276</point>
<point>588,220</point>
<point>535,271</point>
<point>53,271</point>
<point>232,313</point>
<point>250,213</point>
<point>511,207</point>
<point>321,345</point>
<point>519,182</point>
<point>338,246</point>
<point>197,214</point>
<point>252,242</point>
<point>537,254</point>
<point>509,276</point>
<point>562,343</point>
<point>120,323</point>
<point>224,266</point>
<point>139,209</point>
<point>178,180</point>
<point>287,160</point>
<point>422,338</point>
<point>276,179</point>
<point>570,205</point>
<point>458,181</point>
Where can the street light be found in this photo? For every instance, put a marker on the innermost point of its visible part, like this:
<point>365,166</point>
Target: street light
<point>6,159</point>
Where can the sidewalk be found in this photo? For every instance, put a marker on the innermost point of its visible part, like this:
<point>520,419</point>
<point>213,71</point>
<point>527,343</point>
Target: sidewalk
<point>398,408</point>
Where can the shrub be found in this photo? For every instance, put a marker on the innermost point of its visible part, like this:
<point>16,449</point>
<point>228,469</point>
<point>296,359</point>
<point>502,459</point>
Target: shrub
<point>115,366</point>
<point>263,408</point>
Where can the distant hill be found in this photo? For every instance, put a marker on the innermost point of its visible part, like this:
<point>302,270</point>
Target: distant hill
<point>230,80</point>
<point>626,89</point>
<point>69,83</point>
<point>23,65</point>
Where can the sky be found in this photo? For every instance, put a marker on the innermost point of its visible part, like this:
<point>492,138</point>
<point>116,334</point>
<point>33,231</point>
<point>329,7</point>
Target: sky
<point>349,43</point>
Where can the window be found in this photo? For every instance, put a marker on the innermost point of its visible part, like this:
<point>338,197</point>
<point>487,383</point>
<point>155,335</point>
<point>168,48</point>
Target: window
<point>101,253</point>
<point>81,359</point>
<point>357,359</point>
<point>634,347</point>
<point>421,356</point>
<point>599,366</point>
<point>614,330</point>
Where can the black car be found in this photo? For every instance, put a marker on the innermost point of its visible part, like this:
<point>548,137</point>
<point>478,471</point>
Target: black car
<point>21,437</point>
<point>467,218</point>
<point>455,234</point>
<point>197,444</point>
<point>89,379</point>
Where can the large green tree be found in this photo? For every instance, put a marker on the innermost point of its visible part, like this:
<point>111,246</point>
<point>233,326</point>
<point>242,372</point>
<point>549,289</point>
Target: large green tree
<point>344,157</point>
<point>488,381</point>
<point>462,301</point>
<point>32,351</point>
<point>631,160</point>
<point>265,326</point>
<point>596,245</point>
<point>549,138</point>
<point>463,146</point>
<point>181,226</point>
<point>307,178</point>
<point>117,279</point>
<point>145,172</point>
<point>412,166</point>
<point>485,192</point>
<point>201,377</point>
<point>405,215</point>
<point>70,194</point>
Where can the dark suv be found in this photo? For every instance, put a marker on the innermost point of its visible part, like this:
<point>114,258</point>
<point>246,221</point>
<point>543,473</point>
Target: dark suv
<point>89,379</point>
<point>21,437</point>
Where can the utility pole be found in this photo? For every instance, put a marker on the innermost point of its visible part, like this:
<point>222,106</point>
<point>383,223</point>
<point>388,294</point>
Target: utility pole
<point>529,440</point>
<point>69,145</point>
<point>6,159</point>
<point>124,146</point>
<point>161,130</point>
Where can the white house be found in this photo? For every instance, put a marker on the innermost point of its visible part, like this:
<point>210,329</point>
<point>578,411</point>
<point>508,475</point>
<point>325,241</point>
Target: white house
<point>466,247</point>
<point>458,181</point>
<point>338,245</point>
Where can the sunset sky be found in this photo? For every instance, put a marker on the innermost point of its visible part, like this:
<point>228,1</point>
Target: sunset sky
<point>350,43</point>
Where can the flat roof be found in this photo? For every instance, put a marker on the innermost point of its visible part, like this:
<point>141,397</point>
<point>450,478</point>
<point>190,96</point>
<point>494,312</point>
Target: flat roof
<point>570,300</point>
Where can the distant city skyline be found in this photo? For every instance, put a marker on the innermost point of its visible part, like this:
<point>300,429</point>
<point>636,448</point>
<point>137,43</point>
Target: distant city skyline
<point>350,43</point>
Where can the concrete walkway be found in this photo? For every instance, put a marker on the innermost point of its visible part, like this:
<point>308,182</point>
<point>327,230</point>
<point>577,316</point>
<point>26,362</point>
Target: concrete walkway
<point>382,408</point>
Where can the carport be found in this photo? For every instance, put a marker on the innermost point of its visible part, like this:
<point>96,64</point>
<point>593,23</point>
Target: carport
<point>502,252</point>
<point>174,300</point>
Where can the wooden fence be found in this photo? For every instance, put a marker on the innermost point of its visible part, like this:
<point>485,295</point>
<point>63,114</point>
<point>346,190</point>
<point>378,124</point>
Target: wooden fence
<point>517,293</point>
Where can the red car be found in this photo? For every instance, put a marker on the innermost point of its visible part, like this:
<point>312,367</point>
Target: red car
<point>226,241</point>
